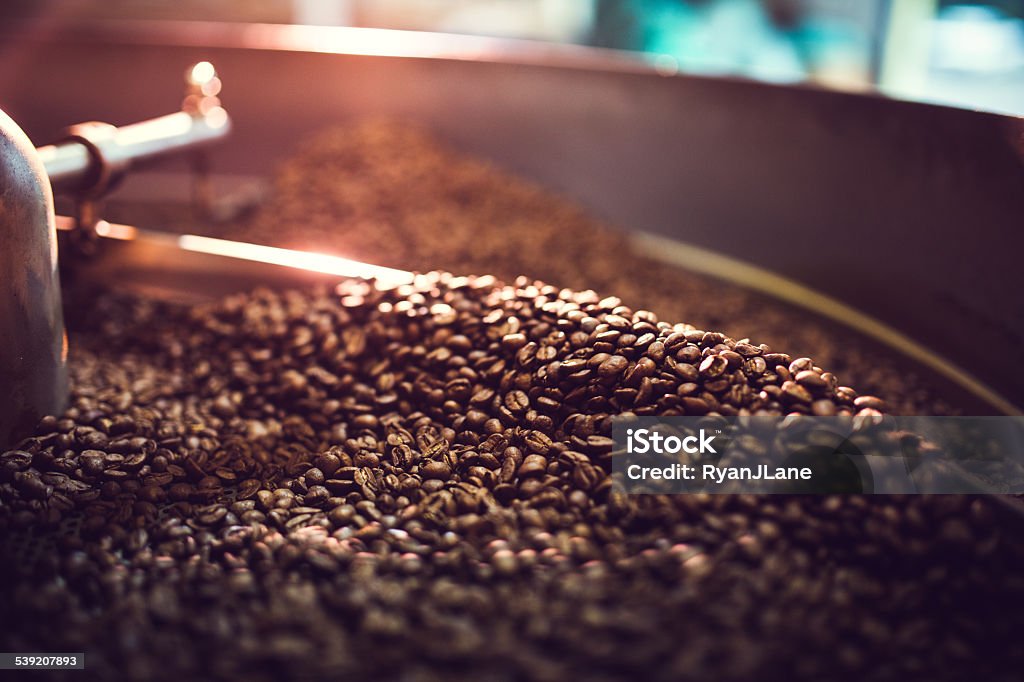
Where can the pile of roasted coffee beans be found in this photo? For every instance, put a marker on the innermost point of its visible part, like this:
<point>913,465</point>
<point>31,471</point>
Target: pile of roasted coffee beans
<point>413,484</point>
<point>390,193</point>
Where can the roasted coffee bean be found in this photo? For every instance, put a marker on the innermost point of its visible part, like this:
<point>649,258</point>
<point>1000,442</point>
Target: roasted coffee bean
<point>180,492</point>
<point>436,469</point>
<point>811,380</point>
<point>14,461</point>
<point>328,463</point>
<point>713,366</point>
<point>517,402</point>
<point>613,366</point>
<point>212,516</point>
<point>31,485</point>
<point>539,442</point>
<point>248,488</point>
<point>314,476</point>
<point>93,462</point>
<point>316,496</point>
<point>402,456</point>
<point>823,408</point>
<point>794,392</point>
<point>871,402</point>
<point>533,465</point>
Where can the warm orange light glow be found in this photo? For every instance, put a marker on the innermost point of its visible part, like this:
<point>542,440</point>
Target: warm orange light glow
<point>211,88</point>
<point>202,72</point>
<point>215,117</point>
<point>115,231</point>
<point>103,228</point>
<point>314,262</point>
<point>375,42</point>
<point>386,278</point>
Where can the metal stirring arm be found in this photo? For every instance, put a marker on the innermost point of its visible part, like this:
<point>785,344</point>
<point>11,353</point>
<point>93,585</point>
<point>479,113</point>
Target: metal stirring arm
<point>95,156</point>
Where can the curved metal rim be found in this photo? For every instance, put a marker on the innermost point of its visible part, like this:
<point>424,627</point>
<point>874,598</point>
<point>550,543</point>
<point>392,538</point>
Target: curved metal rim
<point>712,263</point>
<point>404,43</point>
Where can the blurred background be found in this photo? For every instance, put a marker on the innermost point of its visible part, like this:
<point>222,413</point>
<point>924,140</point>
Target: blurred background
<point>968,54</point>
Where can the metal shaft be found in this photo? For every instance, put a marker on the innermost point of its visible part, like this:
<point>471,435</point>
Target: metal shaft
<point>96,155</point>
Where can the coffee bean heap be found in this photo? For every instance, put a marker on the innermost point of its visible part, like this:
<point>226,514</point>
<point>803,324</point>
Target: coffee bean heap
<point>414,484</point>
<point>390,193</point>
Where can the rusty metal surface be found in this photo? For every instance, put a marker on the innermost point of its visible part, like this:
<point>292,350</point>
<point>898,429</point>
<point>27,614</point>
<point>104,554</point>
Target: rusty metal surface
<point>33,349</point>
<point>909,212</point>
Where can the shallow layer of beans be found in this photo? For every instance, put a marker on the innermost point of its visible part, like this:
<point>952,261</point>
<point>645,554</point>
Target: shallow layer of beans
<point>413,484</point>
